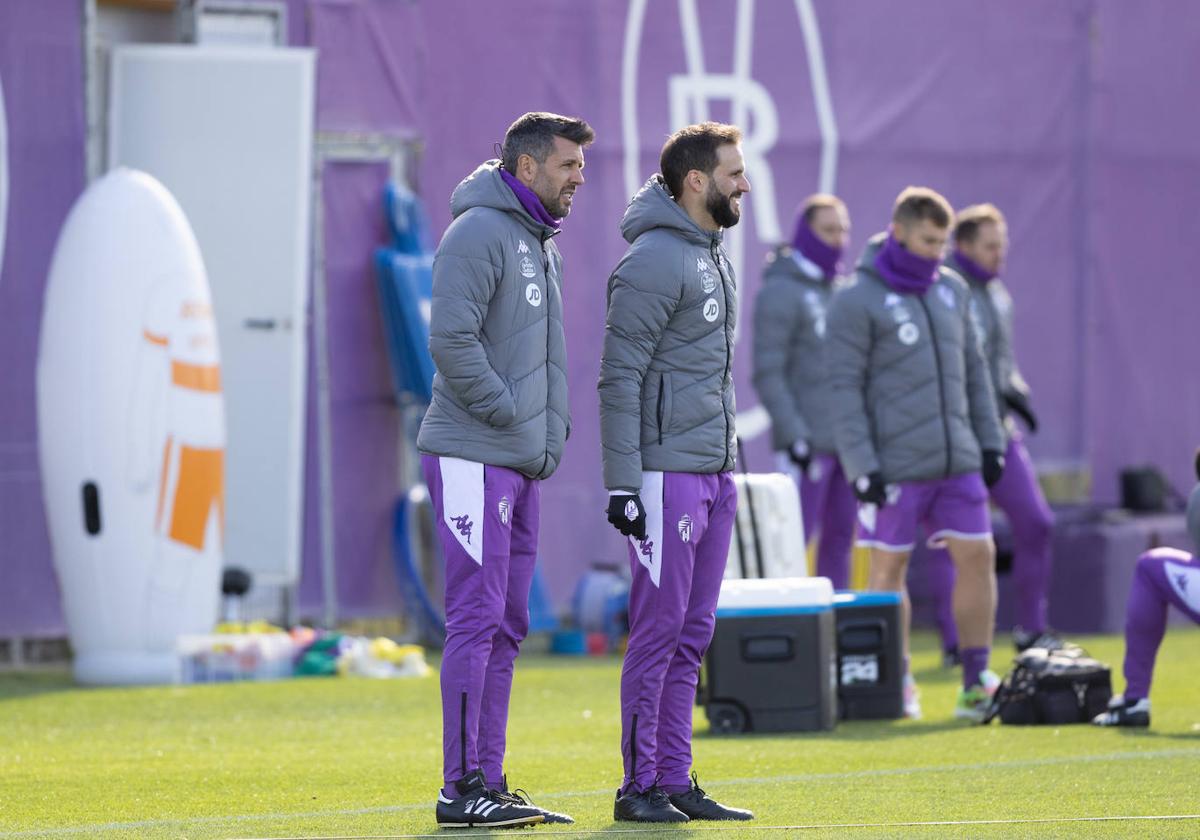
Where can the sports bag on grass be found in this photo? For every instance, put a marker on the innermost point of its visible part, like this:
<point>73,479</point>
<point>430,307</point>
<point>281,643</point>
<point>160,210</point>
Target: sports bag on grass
<point>1055,687</point>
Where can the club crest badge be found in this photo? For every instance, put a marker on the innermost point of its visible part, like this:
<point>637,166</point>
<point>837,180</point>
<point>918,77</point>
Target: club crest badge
<point>685,528</point>
<point>528,269</point>
<point>503,508</point>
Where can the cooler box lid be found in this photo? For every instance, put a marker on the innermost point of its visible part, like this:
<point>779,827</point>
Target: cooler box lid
<point>851,598</point>
<point>774,596</point>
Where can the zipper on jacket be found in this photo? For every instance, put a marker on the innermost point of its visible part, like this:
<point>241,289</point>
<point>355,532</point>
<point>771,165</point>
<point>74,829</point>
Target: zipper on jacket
<point>716,255</point>
<point>545,237</point>
<point>659,410</point>
<point>937,361</point>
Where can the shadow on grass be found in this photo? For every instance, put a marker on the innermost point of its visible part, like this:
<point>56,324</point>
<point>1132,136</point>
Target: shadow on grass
<point>861,730</point>
<point>16,685</point>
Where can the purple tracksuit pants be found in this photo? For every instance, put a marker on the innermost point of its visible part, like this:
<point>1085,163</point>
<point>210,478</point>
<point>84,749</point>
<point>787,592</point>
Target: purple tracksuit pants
<point>1164,576</point>
<point>1019,496</point>
<point>829,510</point>
<point>488,526</point>
<point>677,572</point>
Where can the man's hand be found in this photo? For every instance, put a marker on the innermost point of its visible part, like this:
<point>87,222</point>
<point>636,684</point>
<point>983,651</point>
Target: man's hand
<point>870,489</point>
<point>627,515</point>
<point>801,455</point>
<point>1018,404</point>
<point>993,467</point>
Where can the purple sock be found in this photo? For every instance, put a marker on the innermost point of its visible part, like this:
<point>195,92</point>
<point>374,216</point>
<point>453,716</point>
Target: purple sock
<point>974,663</point>
<point>450,792</point>
<point>1145,624</point>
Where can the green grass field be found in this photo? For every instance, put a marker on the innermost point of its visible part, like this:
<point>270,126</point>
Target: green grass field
<point>352,757</point>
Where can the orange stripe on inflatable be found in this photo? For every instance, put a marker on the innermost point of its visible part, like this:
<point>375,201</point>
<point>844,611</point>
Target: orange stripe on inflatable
<point>201,487</point>
<point>196,377</point>
<point>160,340</point>
<point>162,483</point>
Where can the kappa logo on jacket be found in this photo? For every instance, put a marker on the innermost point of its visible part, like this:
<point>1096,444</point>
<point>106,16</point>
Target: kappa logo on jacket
<point>702,265</point>
<point>522,248</point>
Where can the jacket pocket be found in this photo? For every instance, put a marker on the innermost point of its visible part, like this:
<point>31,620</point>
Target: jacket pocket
<point>664,405</point>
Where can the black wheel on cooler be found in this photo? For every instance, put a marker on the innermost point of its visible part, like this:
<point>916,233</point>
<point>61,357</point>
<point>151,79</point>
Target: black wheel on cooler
<point>726,718</point>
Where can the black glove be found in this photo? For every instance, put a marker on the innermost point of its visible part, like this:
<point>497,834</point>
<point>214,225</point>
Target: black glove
<point>801,455</point>
<point>1018,403</point>
<point>627,515</point>
<point>993,466</point>
<point>869,488</point>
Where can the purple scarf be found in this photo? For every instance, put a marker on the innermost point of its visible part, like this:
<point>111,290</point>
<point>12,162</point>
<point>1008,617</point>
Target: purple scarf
<point>903,270</point>
<point>529,200</point>
<point>825,257</point>
<point>973,268</point>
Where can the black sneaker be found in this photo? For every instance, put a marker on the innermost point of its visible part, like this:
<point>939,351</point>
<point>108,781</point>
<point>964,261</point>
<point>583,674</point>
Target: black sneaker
<point>476,805</point>
<point>651,805</point>
<point>520,797</point>
<point>698,805</point>
<point>1024,639</point>
<point>951,658</point>
<point>1122,712</point>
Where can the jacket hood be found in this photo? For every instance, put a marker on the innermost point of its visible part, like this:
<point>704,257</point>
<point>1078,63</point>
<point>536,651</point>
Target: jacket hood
<point>653,207</point>
<point>867,260</point>
<point>485,188</point>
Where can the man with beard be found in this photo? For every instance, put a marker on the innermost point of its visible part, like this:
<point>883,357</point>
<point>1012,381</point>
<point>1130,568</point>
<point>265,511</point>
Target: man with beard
<point>792,378</point>
<point>916,424</point>
<point>668,447</point>
<point>494,429</point>
<point>980,245</point>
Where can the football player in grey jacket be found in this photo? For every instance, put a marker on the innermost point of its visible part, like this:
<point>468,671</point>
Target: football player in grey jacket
<point>668,446</point>
<point>495,428</point>
<point>916,423</point>
<point>792,378</point>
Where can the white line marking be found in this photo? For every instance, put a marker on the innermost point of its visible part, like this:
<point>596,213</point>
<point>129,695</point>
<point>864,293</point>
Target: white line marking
<point>800,777</point>
<point>743,828</point>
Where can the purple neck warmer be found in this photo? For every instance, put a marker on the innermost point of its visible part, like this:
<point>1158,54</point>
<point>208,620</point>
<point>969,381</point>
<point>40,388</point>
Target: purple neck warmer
<point>903,270</point>
<point>825,257</point>
<point>973,268</point>
<point>529,200</point>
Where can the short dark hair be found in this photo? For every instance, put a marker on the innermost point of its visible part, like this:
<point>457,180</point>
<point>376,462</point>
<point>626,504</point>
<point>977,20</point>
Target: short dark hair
<point>819,201</point>
<point>533,134</point>
<point>970,219</point>
<point>917,203</point>
<point>694,147</point>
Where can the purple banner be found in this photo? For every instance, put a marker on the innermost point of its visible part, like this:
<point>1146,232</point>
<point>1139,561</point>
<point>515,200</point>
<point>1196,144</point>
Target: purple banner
<point>41,70</point>
<point>1073,117</point>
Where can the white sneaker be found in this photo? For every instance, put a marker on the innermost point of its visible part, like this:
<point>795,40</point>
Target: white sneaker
<point>912,698</point>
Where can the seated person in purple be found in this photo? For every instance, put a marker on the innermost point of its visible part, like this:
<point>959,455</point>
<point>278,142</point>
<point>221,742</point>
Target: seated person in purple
<point>1164,576</point>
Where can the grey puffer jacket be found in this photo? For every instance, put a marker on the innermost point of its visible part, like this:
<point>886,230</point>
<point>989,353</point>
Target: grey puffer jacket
<point>790,373</point>
<point>666,379</point>
<point>912,397</point>
<point>496,334</point>
<point>992,306</point>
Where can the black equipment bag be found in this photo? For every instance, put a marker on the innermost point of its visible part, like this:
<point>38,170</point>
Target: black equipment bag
<point>1055,687</point>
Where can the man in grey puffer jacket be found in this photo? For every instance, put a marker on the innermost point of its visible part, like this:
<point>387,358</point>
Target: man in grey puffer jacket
<point>495,427</point>
<point>792,378</point>
<point>916,422</point>
<point>669,443</point>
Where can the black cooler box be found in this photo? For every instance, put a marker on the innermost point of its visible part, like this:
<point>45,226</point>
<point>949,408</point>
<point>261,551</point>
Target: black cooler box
<point>870,660</point>
<point>770,667</point>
